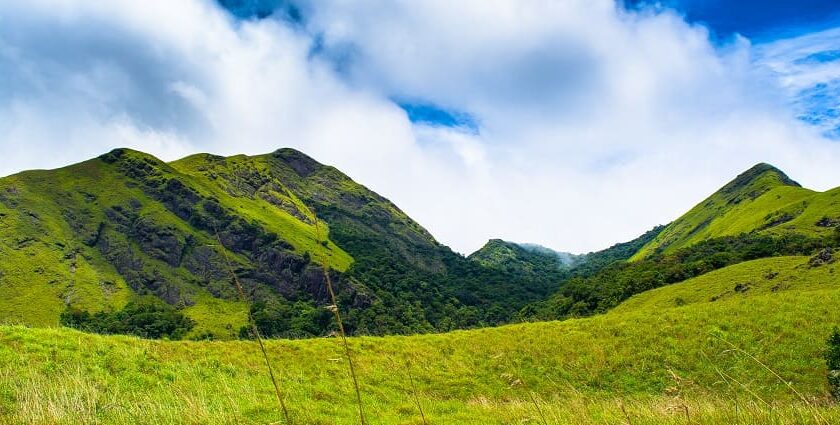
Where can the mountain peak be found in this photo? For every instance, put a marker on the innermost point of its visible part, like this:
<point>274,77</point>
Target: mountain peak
<point>760,178</point>
<point>733,209</point>
<point>300,162</point>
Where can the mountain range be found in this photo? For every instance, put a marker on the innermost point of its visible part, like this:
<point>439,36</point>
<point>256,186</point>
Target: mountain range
<point>102,236</point>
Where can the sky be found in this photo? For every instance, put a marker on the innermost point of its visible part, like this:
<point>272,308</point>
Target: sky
<point>574,124</point>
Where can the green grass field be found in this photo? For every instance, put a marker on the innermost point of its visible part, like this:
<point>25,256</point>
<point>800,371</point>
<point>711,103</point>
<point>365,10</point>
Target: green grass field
<point>719,355</point>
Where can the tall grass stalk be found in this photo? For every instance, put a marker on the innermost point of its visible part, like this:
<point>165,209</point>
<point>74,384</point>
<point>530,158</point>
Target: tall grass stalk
<point>255,331</point>
<point>537,406</point>
<point>414,392</point>
<point>626,415</point>
<point>334,307</point>
<point>817,415</point>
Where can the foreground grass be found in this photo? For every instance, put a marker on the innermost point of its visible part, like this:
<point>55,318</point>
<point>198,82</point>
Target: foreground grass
<point>655,364</point>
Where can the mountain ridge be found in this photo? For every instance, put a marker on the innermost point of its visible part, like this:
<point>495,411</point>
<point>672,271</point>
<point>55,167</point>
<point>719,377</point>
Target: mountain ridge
<point>761,200</point>
<point>126,226</point>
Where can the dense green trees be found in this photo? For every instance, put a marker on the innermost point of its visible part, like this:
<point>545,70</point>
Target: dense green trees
<point>281,319</point>
<point>147,318</point>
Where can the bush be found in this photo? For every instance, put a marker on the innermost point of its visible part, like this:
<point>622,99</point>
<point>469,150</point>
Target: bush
<point>832,359</point>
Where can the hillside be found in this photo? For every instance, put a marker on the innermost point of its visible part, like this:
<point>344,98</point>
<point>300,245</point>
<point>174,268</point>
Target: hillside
<point>522,258</point>
<point>648,361</point>
<point>536,260</point>
<point>127,227</point>
<point>762,200</point>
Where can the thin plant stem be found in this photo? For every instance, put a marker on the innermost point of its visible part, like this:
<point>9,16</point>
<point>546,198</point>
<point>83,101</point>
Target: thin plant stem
<point>626,415</point>
<point>414,392</point>
<point>255,331</point>
<point>817,415</point>
<point>537,406</point>
<point>340,325</point>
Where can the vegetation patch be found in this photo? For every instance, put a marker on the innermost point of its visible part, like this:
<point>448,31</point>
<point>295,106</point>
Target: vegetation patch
<point>148,318</point>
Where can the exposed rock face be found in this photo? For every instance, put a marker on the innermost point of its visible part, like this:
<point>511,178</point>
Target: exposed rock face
<point>825,256</point>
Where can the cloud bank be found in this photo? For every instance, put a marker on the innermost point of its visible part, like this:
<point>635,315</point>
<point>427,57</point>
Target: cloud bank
<point>587,124</point>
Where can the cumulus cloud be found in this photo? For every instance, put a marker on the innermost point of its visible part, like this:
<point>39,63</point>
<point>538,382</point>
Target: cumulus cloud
<point>589,124</point>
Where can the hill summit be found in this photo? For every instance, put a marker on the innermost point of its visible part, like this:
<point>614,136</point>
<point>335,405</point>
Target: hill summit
<point>762,199</point>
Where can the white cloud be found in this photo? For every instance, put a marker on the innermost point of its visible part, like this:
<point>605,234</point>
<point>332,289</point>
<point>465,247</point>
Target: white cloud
<point>808,70</point>
<point>595,124</point>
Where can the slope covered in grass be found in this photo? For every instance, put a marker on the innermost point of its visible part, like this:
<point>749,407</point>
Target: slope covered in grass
<point>653,356</point>
<point>741,281</point>
<point>762,200</point>
<point>93,235</point>
<point>97,235</point>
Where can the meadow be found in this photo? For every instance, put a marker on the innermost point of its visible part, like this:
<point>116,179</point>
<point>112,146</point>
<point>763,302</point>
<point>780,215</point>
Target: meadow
<point>697,352</point>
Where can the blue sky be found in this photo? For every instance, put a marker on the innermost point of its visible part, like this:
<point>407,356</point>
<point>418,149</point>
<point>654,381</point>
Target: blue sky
<point>767,21</point>
<point>573,124</point>
<point>756,19</point>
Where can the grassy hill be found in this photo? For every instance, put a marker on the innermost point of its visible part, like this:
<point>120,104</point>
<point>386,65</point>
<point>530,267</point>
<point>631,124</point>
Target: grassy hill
<point>128,228</point>
<point>538,262</point>
<point>96,234</point>
<point>662,353</point>
<point>762,200</point>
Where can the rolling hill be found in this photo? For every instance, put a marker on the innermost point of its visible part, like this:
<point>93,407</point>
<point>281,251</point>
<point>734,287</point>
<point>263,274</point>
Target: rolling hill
<point>762,200</point>
<point>523,260</point>
<point>740,345</point>
<point>760,214</point>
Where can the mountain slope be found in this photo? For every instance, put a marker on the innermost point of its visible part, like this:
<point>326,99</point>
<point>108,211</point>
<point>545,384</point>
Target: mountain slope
<point>650,359</point>
<point>126,226</point>
<point>536,260</point>
<point>96,234</point>
<point>762,200</point>
<point>521,258</point>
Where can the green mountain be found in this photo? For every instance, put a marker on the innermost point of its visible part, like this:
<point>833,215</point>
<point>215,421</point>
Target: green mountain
<point>724,322</point>
<point>97,244</point>
<point>127,228</point>
<point>762,200</point>
<point>522,258</point>
<point>538,262</point>
<point>760,214</point>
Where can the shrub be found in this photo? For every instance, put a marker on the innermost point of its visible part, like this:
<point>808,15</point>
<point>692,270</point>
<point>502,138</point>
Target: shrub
<point>832,358</point>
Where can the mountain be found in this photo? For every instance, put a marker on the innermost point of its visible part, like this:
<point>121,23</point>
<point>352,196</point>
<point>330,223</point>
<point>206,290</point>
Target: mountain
<point>566,259</point>
<point>762,200</point>
<point>94,244</point>
<point>127,228</point>
<point>522,258</point>
<point>760,214</point>
<point>126,243</point>
<point>539,262</point>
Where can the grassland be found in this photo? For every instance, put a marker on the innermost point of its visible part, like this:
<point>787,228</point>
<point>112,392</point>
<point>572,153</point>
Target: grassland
<point>652,361</point>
